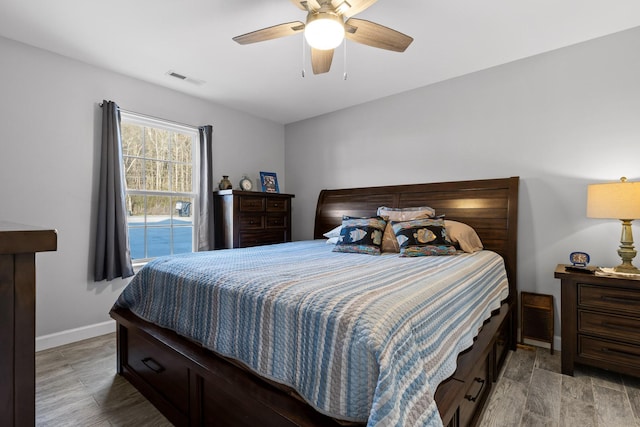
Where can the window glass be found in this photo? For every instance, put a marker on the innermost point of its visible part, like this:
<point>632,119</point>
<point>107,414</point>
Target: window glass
<point>160,187</point>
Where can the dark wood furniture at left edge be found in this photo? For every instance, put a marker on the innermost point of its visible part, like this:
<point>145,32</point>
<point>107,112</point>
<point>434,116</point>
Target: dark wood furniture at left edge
<point>18,246</point>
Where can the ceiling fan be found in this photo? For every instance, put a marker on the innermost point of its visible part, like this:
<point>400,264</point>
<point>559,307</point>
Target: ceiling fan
<point>326,28</point>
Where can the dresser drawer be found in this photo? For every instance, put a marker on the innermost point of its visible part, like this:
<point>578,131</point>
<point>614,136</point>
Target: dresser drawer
<point>610,299</point>
<point>609,351</point>
<point>277,205</point>
<point>251,204</point>
<point>252,222</point>
<point>609,326</point>
<point>276,221</point>
<point>163,371</point>
<point>261,238</point>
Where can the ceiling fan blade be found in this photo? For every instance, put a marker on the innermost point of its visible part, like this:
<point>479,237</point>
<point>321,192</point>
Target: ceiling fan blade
<point>270,33</point>
<point>321,60</point>
<point>307,5</point>
<point>299,4</point>
<point>349,8</point>
<point>376,35</point>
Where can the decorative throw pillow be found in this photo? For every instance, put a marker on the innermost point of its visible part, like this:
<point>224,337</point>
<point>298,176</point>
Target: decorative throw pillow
<point>389,242</point>
<point>422,237</point>
<point>361,235</point>
<point>464,235</point>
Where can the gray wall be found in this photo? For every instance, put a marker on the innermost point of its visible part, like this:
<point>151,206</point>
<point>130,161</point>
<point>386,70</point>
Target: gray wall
<point>560,121</point>
<point>49,153</point>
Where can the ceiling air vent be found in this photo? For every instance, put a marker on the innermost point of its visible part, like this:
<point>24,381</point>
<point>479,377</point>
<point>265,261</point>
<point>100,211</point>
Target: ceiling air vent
<point>177,76</point>
<point>185,78</point>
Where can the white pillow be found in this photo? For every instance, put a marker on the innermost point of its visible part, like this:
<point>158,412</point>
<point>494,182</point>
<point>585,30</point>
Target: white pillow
<point>333,233</point>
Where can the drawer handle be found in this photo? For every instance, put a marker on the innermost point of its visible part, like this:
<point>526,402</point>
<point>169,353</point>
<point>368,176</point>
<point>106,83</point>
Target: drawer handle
<point>621,300</point>
<point>614,351</point>
<point>275,205</point>
<point>474,398</point>
<point>153,365</point>
<point>619,327</point>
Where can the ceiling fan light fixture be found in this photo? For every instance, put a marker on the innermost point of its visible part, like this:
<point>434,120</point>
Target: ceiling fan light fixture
<point>324,31</point>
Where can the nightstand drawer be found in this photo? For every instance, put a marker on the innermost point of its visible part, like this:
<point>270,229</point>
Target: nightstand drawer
<point>251,204</point>
<point>609,326</point>
<point>251,222</point>
<point>609,351</point>
<point>610,299</point>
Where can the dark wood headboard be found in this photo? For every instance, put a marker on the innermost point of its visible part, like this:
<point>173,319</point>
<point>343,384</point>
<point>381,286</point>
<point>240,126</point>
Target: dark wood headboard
<point>490,206</point>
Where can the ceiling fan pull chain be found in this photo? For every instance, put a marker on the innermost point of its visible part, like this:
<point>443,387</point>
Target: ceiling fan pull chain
<point>344,75</point>
<point>304,49</point>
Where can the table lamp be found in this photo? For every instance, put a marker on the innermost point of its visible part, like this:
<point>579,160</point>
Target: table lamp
<point>617,200</point>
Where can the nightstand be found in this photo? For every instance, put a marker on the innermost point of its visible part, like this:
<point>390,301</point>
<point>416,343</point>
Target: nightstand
<point>600,322</point>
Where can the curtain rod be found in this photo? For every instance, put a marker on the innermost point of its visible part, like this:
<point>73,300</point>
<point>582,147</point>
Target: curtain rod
<point>154,118</point>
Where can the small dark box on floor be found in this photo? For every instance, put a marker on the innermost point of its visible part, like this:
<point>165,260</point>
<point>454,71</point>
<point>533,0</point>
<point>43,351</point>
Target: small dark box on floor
<point>536,313</point>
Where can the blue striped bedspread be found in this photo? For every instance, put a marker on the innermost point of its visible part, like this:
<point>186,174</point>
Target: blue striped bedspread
<point>359,337</point>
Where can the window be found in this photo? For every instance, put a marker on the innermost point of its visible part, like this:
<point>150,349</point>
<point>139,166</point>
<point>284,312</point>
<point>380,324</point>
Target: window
<point>159,160</point>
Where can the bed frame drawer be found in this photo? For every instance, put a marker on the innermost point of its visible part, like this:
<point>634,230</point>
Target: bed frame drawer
<point>162,370</point>
<point>477,391</point>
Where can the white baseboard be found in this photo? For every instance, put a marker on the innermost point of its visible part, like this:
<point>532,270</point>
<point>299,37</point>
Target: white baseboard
<point>72,335</point>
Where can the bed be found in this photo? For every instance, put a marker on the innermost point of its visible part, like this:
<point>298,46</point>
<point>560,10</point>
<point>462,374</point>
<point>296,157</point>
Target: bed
<point>192,385</point>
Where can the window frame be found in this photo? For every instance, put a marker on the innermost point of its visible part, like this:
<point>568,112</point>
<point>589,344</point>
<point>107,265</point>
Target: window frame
<point>153,122</point>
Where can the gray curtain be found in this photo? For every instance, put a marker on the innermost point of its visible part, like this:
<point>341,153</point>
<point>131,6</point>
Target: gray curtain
<point>113,258</point>
<point>205,192</point>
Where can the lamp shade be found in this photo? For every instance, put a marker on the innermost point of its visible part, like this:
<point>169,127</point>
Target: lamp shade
<point>324,31</point>
<point>615,200</point>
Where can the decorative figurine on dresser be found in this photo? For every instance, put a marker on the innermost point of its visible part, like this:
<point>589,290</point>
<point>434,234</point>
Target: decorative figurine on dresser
<point>249,218</point>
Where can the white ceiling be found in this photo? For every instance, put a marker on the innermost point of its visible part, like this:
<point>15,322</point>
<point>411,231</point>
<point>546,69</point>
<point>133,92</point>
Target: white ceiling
<point>147,38</point>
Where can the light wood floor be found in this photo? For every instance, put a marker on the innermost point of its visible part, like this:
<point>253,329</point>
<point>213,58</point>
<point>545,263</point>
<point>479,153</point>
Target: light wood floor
<point>76,385</point>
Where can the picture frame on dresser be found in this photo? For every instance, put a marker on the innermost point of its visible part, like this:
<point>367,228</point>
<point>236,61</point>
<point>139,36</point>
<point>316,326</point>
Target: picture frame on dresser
<point>269,182</point>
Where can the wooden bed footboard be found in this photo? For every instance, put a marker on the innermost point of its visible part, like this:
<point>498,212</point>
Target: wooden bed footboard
<point>192,386</point>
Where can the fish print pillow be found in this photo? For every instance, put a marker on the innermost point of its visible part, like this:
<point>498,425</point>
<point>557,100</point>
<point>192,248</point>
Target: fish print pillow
<point>361,235</point>
<point>422,237</point>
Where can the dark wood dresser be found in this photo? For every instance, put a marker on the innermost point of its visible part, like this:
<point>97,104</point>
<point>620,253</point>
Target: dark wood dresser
<point>18,246</point>
<point>249,218</point>
<point>600,322</point>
